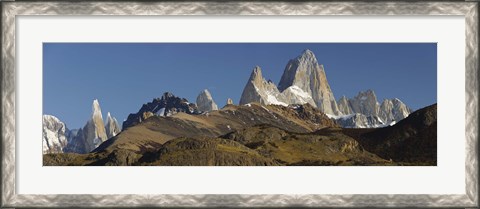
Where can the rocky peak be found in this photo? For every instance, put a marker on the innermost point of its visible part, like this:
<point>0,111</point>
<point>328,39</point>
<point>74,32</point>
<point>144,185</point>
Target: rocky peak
<point>91,135</point>
<point>111,127</point>
<point>307,56</point>
<point>205,101</point>
<point>344,105</point>
<point>96,110</point>
<point>365,103</point>
<point>393,110</point>
<point>166,96</point>
<point>256,72</point>
<point>166,105</point>
<point>259,90</point>
<point>256,77</point>
<point>95,128</point>
<point>299,68</point>
<point>305,73</point>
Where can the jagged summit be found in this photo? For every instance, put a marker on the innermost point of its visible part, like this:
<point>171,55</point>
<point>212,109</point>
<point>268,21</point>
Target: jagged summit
<point>307,56</point>
<point>168,104</point>
<point>257,71</point>
<point>256,76</point>
<point>166,95</point>
<point>91,135</point>
<point>344,106</point>
<point>96,110</point>
<point>366,104</point>
<point>111,126</point>
<point>259,90</point>
<point>205,101</point>
<point>97,123</point>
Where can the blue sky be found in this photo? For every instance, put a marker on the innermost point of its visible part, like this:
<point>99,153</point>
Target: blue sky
<point>123,76</point>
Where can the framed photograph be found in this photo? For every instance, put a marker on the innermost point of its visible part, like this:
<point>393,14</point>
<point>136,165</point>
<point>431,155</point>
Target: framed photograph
<point>239,104</point>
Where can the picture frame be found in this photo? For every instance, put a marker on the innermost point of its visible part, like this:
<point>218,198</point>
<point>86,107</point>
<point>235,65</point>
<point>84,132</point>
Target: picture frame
<point>12,10</point>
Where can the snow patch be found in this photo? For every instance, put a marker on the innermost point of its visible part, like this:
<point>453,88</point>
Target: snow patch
<point>273,100</point>
<point>341,117</point>
<point>299,92</point>
<point>161,112</point>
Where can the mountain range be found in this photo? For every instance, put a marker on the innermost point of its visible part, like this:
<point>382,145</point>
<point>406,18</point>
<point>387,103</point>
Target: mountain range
<point>255,134</point>
<point>305,81</point>
<point>58,138</point>
<point>298,122</point>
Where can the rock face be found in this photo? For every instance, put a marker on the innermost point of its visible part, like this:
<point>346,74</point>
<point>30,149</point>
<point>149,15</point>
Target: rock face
<point>111,127</point>
<point>344,106</point>
<point>95,130</point>
<point>71,134</point>
<point>229,101</point>
<point>393,110</point>
<point>167,105</point>
<point>54,139</point>
<point>365,103</point>
<point>91,135</point>
<point>205,102</point>
<point>364,111</point>
<point>305,73</point>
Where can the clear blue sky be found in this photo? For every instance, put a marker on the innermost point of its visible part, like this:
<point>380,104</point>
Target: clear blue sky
<point>123,76</point>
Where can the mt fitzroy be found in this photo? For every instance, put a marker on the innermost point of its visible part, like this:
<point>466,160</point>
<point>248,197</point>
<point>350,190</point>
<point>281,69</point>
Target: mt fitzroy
<point>304,81</point>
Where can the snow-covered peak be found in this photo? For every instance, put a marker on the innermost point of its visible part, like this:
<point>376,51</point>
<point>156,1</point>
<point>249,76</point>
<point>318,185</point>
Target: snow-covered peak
<point>51,119</point>
<point>54,140</point>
